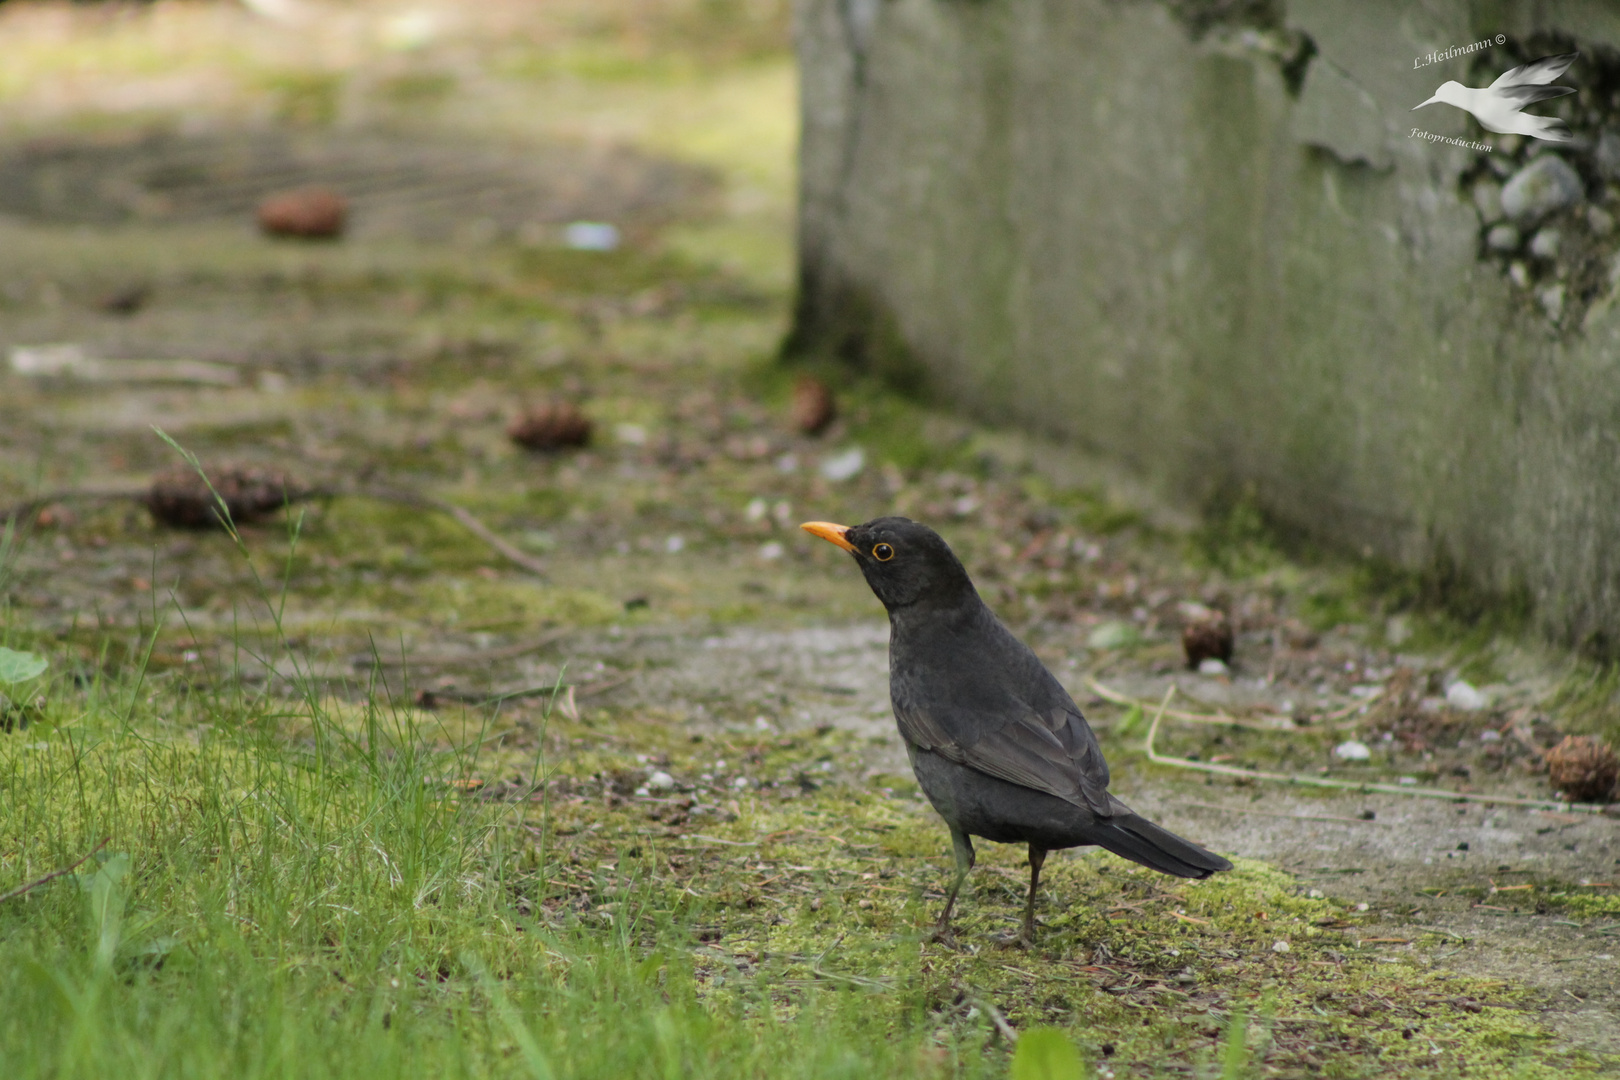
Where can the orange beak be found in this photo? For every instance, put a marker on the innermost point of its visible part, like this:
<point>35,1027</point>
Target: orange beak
<point>833,534</point>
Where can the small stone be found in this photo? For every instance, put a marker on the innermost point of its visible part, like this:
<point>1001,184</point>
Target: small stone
<point>1607,155</point>
<point>1213,667</point>
<point>552,426</point>
<point>1113,635</point>
<point>1208,637</point>
<point>1462,695</point>
<point>1488,199</point>
<point>1583,768</point>
<point>845,465</point>
<point>1519,274</point>
<point>1503,237</point>
<point>1544,245</point>
<point>1601,221</point>
<point>1543,187</point>
<point>124,300</point>
<point>591,236</point>
<point>1552,301</point>
<point>1353,750</point>
<point>1280,947</point>
<point>310,213</point>
<point>660,781</point>
<point>813,407</point>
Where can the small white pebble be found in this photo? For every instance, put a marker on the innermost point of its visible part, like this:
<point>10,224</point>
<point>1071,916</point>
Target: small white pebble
<point>660,781</point>
<point>1316,894</point>
<point>1462,695</point>
<point>1352,750</point>
<point>844,465</point>
<point>1212,666</point>
<point>1280,947</point>
<point>740,783</point>
<point>1362,907</point>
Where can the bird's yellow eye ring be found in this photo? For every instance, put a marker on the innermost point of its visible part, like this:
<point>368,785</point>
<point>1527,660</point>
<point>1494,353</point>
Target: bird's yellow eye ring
<point>882,552</point>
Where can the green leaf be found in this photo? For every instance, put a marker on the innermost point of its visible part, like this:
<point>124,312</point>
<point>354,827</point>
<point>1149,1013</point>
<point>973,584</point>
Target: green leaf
<point>1045,1053</point>
<point>16,667</point>
<point>106,895</point>
<point>1114,635</point>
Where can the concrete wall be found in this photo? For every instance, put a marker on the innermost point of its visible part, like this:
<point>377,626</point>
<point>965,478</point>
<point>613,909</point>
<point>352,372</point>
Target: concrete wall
<point>1213,254</point>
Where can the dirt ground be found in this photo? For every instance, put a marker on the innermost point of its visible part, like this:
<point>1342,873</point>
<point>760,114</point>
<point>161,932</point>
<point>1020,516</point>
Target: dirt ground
<point>674,582</point>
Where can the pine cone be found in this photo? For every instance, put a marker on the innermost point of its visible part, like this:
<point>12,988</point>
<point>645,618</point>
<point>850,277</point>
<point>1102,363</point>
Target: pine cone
<point>1206,638</point>
<point>813,406</point>
<point>551,426</point>
<point>1583,768</point>
<point>310,213</point>
<point>180,499</point>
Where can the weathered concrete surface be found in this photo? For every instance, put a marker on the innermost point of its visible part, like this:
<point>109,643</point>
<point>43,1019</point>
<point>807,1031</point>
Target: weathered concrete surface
<point>1071,215</point>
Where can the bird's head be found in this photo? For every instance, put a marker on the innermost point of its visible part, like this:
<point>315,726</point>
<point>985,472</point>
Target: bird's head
<point>905,563</point>
<point>1450,93</point>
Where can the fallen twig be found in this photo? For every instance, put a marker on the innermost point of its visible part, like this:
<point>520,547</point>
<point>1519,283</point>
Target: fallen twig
<point>24,890</point>
<point>465,517</point>
<point>1270,723</point>
<point>440,660</point>
<point>1289,817</point>
<point>1345,785</point>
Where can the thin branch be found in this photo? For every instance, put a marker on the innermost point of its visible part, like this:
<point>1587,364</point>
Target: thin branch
<point>24,890</point>
<point>1344,785</point>
<point>1270,723</point>
<point>465,518</point>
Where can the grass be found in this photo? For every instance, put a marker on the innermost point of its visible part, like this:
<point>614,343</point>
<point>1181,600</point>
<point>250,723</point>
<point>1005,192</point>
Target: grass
<point>314,873</point>
<point>291,883</point>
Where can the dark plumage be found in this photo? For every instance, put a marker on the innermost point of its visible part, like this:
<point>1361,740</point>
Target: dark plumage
<point>997,744</point>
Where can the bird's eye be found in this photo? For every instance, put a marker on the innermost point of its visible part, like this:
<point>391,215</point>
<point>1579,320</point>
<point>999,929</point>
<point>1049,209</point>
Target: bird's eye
<point>883,553</point>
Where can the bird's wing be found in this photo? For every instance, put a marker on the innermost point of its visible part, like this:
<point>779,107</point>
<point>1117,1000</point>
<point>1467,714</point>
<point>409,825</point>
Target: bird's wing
<point>1536,72</point>
<point>1520,96</point>
<point>1055,752</point>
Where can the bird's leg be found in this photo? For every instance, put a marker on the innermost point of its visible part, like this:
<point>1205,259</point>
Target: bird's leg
<point>1037,857</point>
<point>964,862</point>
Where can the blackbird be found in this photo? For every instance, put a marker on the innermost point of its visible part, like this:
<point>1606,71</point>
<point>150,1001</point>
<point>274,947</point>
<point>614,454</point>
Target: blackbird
<point>998,746</point>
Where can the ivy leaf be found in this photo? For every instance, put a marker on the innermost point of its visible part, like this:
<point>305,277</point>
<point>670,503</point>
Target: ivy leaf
<point>16,667</point>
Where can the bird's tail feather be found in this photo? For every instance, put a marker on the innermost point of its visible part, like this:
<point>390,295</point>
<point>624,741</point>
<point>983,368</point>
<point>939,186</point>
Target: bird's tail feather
<point>1549,128</point>
<point>1134,837</point>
